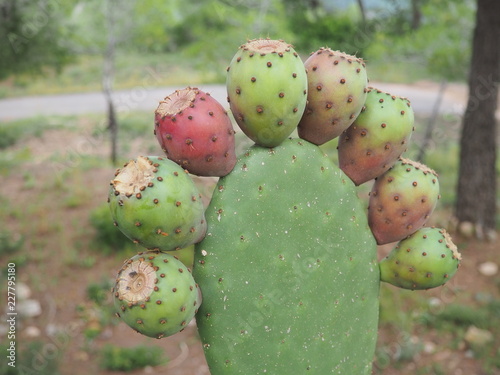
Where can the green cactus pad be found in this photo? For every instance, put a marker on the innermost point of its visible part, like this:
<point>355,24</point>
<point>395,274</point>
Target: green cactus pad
<point>288,268</point>
<point>155,203</point>
<point>426,259</point>
<point>155,294</point>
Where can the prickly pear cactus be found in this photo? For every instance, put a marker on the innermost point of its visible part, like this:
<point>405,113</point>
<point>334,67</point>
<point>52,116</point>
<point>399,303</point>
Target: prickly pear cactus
<point>285,255</point>
<point>288,268</point>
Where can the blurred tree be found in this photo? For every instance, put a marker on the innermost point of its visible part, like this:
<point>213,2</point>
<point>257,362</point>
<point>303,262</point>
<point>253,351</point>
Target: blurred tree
<point>211,31</point>
<point>32,36</point>
<point>416,14</point>
<point>476,190</point>
<point>108,74</point>
<point>362,11</point>
<point>315,25</point>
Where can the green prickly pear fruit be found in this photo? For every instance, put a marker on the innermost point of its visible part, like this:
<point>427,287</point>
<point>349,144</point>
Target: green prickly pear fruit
<point>337,85</point>
<point>426,259</point>
<point>156,204</point>
<point>267,90</point>
<point>155,294</point>
<point>288,268</point>
<point>401,200</point>
<point>195,131</point>
<point>377,138</point>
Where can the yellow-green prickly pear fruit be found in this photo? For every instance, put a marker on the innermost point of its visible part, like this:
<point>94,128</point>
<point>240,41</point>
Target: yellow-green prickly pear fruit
<point>267,90</point>
<point>426,259</point>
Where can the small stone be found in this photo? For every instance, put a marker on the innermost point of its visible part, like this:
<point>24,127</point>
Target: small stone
<point>29,308</point>
<point>429,347</point>
<point>32,331</point>
<point>23,291</point>
<point>478,337</point>
<point>491,235</point>
<point>467,229</point>
<point>488,268</point>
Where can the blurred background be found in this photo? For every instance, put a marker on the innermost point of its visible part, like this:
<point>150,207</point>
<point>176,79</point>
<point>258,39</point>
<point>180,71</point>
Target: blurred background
<point>79,83</point>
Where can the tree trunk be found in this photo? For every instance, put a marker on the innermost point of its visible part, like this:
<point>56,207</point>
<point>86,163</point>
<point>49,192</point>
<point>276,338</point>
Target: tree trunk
<point>476,189</point>
<point>362,11</point>
<point>416,15</point>
<point>431,124</point>
<point>108,77</point>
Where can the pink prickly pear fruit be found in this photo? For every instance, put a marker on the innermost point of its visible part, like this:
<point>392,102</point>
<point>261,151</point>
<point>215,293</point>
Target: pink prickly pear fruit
<point>426,259</point>
<point>195,131</point>
<point>377,138</point>
<point>267,90</point>
<point>155,294</point>
<point>401,200</point>
<point>337,85</point>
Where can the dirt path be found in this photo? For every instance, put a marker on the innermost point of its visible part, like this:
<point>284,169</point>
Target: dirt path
<point>422,95</point>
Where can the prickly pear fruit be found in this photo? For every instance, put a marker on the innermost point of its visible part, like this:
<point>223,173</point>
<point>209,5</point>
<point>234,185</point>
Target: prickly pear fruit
<point>288,268</point>
<point>401,200</point>
<point>156,204</point>
<point>195,131</point>
<point>155,294</point>
<point>267,90</point>
<point>377,138</point>
<point>426,259</point>
<point>337,84</point>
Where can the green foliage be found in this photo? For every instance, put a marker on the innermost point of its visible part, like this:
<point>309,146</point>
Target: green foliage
<point>338,31</point>
<point>10,242</point>
<point>99,292</point>
<point>115,358</point>
<point>10,134</point>
<point>229,23</point>
<point>442,43</point>
<point>107,236</point>
<point>458,315</point>
<point>31,36</point>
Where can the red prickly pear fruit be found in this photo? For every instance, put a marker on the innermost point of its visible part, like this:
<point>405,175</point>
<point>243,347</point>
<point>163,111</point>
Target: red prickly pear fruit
<point>195,131</point>
<point>337,85</point>
<point>377,138</point>
<point>156,204</point>
<point>267,90</point>
<point>426,259</point>
<point>401,200</point>
<point>155,294</point>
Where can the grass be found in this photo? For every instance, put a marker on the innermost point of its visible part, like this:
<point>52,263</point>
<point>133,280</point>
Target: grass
<point>132,70</point>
